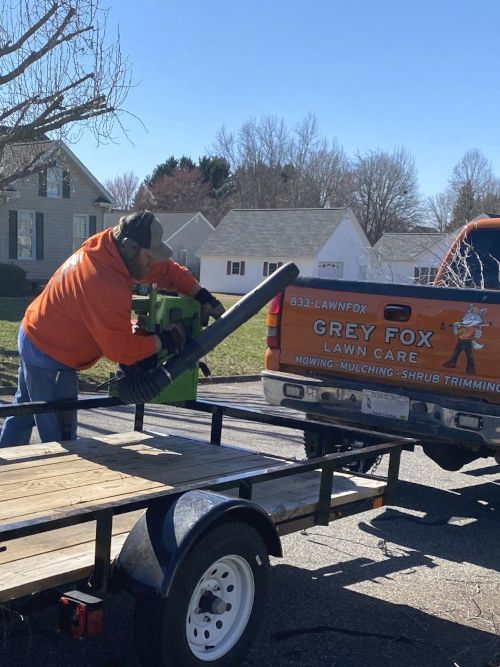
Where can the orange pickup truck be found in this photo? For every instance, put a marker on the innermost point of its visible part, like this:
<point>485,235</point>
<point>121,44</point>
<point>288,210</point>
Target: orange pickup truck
<point>419,361</point>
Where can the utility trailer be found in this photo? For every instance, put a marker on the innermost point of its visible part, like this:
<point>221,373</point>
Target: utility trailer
<point>185,526</point>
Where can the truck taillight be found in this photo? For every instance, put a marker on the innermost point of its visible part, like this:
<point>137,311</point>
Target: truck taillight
<point>273,321</point>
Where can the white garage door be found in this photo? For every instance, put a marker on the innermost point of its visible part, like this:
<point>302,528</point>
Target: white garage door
<point>331,269</point>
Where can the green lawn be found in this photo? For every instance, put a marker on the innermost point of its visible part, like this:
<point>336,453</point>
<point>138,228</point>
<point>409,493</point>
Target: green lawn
<point>241,353</point>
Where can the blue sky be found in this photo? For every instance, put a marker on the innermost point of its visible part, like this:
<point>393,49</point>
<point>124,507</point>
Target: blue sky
<point>377,74</point>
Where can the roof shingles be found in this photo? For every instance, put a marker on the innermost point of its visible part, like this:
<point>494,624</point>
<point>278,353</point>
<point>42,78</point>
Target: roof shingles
<point>299,232</point>
<point>407,246</point>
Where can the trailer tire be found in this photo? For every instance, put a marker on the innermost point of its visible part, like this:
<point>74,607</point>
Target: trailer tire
<point>176,631</point>
<point>315,447</point>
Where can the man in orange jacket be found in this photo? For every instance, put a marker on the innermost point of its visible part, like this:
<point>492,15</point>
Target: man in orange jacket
<point>84,313</point>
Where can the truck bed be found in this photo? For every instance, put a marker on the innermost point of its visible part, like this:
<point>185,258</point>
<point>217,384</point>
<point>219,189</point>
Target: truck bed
<point>41,482</point>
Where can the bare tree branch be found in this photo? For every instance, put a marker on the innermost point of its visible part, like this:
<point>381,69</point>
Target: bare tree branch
<point>10,47</point>
<point>475,189</point>
<point>59,74</point>
<point>386,197</point>
<point>123,188</point>
<point>273,166</point>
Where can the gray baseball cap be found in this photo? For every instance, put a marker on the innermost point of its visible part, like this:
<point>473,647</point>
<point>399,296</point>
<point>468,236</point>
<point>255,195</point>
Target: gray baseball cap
<point>146,230</point>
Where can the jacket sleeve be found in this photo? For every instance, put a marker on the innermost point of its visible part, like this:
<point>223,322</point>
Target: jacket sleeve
<point>106,311</point>
<point>172,276</point>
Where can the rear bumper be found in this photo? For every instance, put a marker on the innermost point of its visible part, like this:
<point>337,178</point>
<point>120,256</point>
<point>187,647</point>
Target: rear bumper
<point>430,417</point>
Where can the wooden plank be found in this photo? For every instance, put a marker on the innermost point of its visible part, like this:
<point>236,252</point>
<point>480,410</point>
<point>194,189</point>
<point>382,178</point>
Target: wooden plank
<point>43,449</point>
<point>298,495</point>
<point>12,458</point>
<point>140,464</point>
<point>79,473</point>
<point>113,444</point>
<point>39,573</point>
<point>12,511</point>
<point>135,456</point>
<point>62,538</point>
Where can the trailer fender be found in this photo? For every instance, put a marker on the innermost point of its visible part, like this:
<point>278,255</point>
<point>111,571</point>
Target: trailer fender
<point>163,535</point>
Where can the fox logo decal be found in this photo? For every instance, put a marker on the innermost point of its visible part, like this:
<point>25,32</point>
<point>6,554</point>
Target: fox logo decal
<point>469,330</point>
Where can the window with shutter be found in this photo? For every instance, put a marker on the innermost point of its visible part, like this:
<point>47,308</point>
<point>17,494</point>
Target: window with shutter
<point>39,235</point>
<point>270,267</point>
<point>12,234</point>
<point>42,183</point>
<point>65,184</point>
<point>81,229</point>
<point>26,235</point>
<point>235,268</point>
<point>54,182</point>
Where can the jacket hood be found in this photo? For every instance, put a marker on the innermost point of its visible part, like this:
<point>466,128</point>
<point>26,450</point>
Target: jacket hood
<point>101,250</point>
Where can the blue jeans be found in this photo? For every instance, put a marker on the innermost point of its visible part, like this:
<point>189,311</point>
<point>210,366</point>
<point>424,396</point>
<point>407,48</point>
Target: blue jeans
<point>37,383</point>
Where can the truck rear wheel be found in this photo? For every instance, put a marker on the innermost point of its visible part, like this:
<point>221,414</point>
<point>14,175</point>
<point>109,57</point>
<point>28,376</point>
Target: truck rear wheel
<point>215,605</point>
<point>315,447</point>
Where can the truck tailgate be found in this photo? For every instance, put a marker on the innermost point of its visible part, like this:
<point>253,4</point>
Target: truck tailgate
<point>432,338</point>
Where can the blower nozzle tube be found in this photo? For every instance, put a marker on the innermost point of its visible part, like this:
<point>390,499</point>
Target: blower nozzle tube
<point>145,387</point>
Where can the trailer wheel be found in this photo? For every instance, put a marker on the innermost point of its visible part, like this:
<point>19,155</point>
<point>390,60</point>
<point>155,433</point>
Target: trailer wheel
<point>315,447</point>
<point>215,605</point>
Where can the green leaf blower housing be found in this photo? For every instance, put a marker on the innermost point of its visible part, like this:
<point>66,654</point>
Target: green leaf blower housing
<point>144,388</point>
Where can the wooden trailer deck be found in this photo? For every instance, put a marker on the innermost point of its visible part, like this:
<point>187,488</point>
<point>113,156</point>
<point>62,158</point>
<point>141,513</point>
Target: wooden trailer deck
<point>44,481</point>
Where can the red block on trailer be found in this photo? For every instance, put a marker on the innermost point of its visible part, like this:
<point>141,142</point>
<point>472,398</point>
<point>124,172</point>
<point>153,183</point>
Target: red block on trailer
<point>80,615</point>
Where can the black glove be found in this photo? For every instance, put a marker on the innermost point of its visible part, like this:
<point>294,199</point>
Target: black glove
<point>173,338</point>
<point>140,367</point>
<point>210,306</point>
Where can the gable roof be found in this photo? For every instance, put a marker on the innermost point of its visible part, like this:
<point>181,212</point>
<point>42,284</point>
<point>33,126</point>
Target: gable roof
<point>105,196</point>
<point>407,246</point>
<point>171,222</point>
<point>277,232</point>
<point>43,152</point>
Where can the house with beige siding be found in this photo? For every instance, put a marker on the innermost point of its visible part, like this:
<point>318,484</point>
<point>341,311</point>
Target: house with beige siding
<point>45,217</point>
<point>184,232</point>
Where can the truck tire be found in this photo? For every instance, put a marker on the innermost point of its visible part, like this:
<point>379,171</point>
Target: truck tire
<point>314,448</point>
<point>216,603</point>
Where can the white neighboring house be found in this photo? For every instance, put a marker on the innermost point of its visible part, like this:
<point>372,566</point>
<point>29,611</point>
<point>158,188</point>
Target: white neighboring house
<point>184,232</point>
<point>411,257</point>
<point>249,244</point>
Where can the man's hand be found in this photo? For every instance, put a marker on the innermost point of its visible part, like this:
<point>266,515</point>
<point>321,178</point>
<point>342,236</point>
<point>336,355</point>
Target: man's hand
<point>210,306</point>
<point>173,338</point>
<point>140,367</point>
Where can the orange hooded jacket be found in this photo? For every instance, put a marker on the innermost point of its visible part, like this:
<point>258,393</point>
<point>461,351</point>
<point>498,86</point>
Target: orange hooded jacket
<point>84,312</point>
